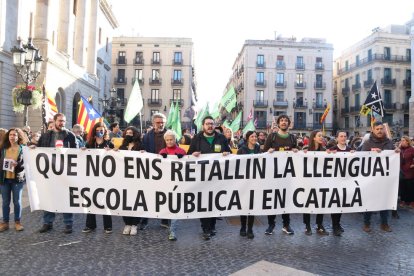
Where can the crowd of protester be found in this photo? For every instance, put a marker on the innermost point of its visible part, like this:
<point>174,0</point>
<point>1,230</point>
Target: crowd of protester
<point>211,138</point>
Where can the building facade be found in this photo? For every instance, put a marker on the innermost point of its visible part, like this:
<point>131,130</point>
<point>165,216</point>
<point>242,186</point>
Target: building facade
<point>284,76</point>
<point>74,38</point>
<point>383,57</point>
<point>165,72</point>
<point>410,24</point>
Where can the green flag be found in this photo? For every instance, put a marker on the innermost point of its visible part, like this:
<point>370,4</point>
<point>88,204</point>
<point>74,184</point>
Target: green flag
<point>215,112</point>
<point>204,112</point>
<point>235,125</point>
<point>226,124</point>
<point>176,122</point>
<point>249,127</point>
<point>229,100</point>
<point>135,103</point>
<point>170,115</point>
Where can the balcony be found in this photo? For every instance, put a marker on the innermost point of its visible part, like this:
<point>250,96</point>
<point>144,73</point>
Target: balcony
<point>280,84</point>
<point>300,66</point>
<point>139,61</point>
<point>260,104</point>
<point>260,64</point>
<point>120,80</point>
<point>154,102</point>
<point>368,83</point>
<point>299,104</point>
<point>280,104</point>
<point>319,66</point>
<point>356,86</point>
<point>300,85</point>
<point>407,83</point>
<point>280,65</point>
<point>121,61</point>
<point>261,83</point>
<point>390,107</point>
<point>177,62</point>
<point>355,109</point>
<point>319,106</point>
<point>141,81</point>
<point>156,81</point>
<point>177,82</point>
<point>156,61</point>
<point>180,102</point>
<point>388,82</point>
<point>319,85</point>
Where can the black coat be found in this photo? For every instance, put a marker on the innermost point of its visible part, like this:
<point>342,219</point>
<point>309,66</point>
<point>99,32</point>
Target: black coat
<point>200,143</point>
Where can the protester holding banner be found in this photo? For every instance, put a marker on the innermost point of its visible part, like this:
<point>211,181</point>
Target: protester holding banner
<point>341,146</point>
<point>132,141</point>
<point>377,142</point>
<point>153,142</point>
<point>78,131</point>
<point>406,190</point>
<point>98,140</point>
<point>12,177</point>
<point>60,137</point>
<point>251,147</point>
<point>172,149</point>
<point>281,140</point>
<point>228,133</point>
<point>208,141</point>
<point>316,141</point>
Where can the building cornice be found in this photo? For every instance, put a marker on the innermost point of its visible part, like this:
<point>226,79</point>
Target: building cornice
<point>107,11</point>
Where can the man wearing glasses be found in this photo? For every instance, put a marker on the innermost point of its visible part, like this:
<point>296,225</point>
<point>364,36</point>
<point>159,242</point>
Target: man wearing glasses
<point>208,141</point>
<point>153,142</point>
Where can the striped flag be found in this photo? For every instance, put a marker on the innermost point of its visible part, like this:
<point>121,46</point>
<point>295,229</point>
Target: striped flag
<point>50,108</point>
<point>250,116</point>
<point>88,116</point>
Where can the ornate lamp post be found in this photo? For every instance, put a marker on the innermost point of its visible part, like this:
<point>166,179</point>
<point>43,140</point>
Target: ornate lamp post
<point>28,64</point>
<point>110,105</point>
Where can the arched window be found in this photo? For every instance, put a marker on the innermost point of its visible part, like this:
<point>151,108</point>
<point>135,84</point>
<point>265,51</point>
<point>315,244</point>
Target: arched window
<point>75,108</point>
<point>60,100</point>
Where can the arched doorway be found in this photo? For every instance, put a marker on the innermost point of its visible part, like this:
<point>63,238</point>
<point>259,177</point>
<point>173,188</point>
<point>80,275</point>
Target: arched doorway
<point>60,100</point>
<point>75,108</point>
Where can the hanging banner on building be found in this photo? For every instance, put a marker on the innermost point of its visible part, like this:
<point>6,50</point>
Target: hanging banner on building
<point>139,184</point>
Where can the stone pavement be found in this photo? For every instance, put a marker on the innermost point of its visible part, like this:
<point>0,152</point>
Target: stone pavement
<point>150,253</point>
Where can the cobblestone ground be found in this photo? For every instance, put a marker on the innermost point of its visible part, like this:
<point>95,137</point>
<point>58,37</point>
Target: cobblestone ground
<point>150,253</point>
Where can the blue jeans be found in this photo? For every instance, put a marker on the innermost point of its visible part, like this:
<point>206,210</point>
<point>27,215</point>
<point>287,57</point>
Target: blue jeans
<point>383,215</point>
<point>7,188</point>
<point>173,225</point>
<point>49,218</point>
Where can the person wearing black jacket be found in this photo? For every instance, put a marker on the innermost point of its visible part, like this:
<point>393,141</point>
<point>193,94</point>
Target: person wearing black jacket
<point>251,147</point>
<point>205,142</point>
<point>99,139</point>
<point>58,137</point>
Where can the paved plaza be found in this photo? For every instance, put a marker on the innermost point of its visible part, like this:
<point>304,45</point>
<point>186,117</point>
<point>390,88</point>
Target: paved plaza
<point>150,253</point>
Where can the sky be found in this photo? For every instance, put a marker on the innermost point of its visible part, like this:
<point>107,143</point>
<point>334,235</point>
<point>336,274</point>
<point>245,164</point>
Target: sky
<point>219,28</point>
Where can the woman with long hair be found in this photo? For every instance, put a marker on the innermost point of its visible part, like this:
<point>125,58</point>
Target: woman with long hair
<point>316,143</point>
<point>132,141</point>
<point>228,133</point>
<point>99,139</point>
<point>12,177</point>
<point>406,190</point>
<point>250,147</point>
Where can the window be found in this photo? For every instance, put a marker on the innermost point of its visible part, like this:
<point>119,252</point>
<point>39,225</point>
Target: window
<point>388,119</point>
<point>387,74</point>
<point>406,120</point>
<point>156,57</point>
<point>139,57</point>
<point>75,6</point>
<point>387,53</point>
<point>318,60</point>
<point>299,78</point>
<point>408,54</point>
<point>318,63</point>
<point>356,121</point>
<point>280,96</point>
<point>346,83</point>
<point>120,92</point>
<point>299,99</point>
<point>177,94</point>
<point>260,60</point>
<point>346,104</point>
<point>178,58</point>
<point>260,77</point>
<point>155,74</point>
<point>407,97</point>
<point>346,65</point>
<point>369,54</point>
<point>261,118</point>
<point>319,100</point>
<point>319,80</point>
<point>357,60</point>
<point>260,96</point>
<point>346,122</point>
<point>280,63</point>
<point>357,80</point>
<point>138,74</point>
<point>317,118</point>
<point>177,75</point>
<point>300,119</point>
<point>280,78</point>
<point>299,60</point>
<point>387,97</point>
<point>121,75</point>
<point>155,94</point>
<point>357,102</point>
<point>121,57</point>
<point>369,75</point>
<point>408,75</point>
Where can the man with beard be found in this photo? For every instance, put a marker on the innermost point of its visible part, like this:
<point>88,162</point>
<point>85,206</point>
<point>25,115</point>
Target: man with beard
<point>153,142</point>
<point>59,136</point>
<point>205,142</point>
<point>281,140</point>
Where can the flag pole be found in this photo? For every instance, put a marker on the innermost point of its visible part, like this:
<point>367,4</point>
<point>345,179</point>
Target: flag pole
<point>140,121</point>
<point>44,123</point>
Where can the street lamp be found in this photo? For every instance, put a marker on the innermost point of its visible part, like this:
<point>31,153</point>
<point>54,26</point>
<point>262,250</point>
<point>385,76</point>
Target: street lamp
<point>28,64</point>
<point>110,105</point>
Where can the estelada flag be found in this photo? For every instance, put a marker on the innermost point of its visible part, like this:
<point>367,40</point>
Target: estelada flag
<point>325,113</point>
<point>88,116</point>
<point>373,103</point>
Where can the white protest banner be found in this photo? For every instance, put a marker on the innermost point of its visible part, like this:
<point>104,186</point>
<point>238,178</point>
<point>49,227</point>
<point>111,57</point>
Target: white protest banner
<point>139,184</point>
